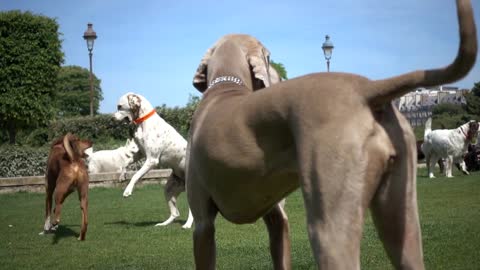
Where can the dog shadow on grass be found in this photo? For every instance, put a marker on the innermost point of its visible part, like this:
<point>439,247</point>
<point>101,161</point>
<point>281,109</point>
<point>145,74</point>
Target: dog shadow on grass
<point>63,231</point>
<point>140,224</point>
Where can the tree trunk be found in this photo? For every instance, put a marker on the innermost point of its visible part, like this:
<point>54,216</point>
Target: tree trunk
<point>12,131</point>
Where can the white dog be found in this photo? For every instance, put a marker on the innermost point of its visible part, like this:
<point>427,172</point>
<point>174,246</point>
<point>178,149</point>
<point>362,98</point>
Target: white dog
<point>115,160</point>
<point>161,143</point>
<point>448,144</point>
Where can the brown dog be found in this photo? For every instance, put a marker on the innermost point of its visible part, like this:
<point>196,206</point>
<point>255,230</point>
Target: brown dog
<point>66,171</point>
<point>249,149</point>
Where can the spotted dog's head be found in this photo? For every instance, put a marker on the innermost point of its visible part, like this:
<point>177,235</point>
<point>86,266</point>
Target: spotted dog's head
<point>128,107</point>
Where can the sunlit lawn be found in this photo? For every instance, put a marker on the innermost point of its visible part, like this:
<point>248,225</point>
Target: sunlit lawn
<point>121,234</point>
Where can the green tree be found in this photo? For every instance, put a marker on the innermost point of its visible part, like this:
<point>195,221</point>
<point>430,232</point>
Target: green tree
<point>73,92</point>
<point>280,68</point>
<point>448,109</point>
<point>450,116</point>
<point>30,57</point>
<point>473,100</point>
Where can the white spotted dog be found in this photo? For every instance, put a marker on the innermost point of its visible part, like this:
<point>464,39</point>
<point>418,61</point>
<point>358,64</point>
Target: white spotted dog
<point>115,160</point>
<point>448,144</point>
<point>161,144</point>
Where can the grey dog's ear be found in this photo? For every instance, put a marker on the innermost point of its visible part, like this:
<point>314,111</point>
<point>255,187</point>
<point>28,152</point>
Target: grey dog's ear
<point>274,76</point>
<point>200,78</point>
<point>256,54</point>
<point>259,59</point>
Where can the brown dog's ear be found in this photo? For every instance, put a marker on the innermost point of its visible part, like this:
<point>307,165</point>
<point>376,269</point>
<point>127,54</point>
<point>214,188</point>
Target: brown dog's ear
<point>134,102</point>
<point>200,78</point>
<point>82,146</point>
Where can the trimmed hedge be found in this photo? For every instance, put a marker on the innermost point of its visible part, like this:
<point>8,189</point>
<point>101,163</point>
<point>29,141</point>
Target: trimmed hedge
<point>29,156</point>
<point>27,161</point>
<point>100,127</point>
<point>22,161</point>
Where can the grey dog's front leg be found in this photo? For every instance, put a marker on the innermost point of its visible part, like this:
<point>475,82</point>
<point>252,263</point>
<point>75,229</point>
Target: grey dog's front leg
<point>204,245</point>
<point>204,211</point>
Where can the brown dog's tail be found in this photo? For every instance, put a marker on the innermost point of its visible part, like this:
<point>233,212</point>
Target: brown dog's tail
<point>384,91</point>
<point>68,146</point>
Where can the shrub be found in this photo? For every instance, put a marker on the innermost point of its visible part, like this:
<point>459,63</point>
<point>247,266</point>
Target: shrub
<point>22,161</point>
<point>100,127</point>
<point>103,130</point>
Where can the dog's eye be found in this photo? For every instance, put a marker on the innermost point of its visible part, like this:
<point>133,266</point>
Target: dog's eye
<point>119,107</point>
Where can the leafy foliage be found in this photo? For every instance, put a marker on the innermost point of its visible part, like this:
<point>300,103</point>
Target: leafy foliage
<point>473,100</point>
<point>22,161</point>
<point>449,116</point>
<point>73,94</point>
<point>103,130</point>
<point>452,115</point>
<point>31,56</point>
<point>448,109</point>
<point>100,127</point>
<point>280,68</point>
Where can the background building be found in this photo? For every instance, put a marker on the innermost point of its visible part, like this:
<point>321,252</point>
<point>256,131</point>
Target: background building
<point>417,106</point>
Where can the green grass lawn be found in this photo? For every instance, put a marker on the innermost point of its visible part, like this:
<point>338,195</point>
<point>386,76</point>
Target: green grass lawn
<point>121,234</point>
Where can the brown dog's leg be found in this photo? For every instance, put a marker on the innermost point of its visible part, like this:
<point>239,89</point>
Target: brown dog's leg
<point>61,192</point>
<point>277,225</point>
<point>83,195</point>
<point>395,213</point>
<point>48,207</point>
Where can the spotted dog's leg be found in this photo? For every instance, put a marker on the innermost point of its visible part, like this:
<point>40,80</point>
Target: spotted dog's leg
<point>173,188</point>
<point>278,228</point>
<point>149,164</point>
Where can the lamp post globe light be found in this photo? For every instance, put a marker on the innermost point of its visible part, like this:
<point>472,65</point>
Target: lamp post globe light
<point>90,37</point>
<point>327,50</point>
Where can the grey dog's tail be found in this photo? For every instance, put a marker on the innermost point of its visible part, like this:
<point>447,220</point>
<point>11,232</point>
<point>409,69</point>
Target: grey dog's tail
<point>383,91</point>
<point>428,128</point>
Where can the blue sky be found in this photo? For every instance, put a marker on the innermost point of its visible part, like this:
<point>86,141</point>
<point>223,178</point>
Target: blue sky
<point>153,47</point>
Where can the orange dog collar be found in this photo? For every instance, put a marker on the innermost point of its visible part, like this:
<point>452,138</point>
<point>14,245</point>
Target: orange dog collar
<point>145,117</point>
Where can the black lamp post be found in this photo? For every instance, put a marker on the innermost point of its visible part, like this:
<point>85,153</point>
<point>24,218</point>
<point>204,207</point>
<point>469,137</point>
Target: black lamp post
<point>90,37</point>
<point>327,50</point>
